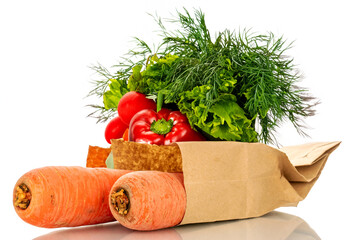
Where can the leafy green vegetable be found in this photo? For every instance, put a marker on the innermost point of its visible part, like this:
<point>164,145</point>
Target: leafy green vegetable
<point>230,123</point>
<point>154,77</point>
<point>135,80</point>
<point>224,120</point>
<point>223,84</point>
<point>112,97</point>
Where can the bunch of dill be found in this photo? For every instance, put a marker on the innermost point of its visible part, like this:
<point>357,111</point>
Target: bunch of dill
<point>251,68</point>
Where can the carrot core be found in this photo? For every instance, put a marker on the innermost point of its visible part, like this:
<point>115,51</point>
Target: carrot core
<point>22,196</point>
<point>120,201</point>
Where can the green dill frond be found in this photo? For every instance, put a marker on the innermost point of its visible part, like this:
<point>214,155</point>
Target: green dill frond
<point>100,85</point>
<point>101,113</point>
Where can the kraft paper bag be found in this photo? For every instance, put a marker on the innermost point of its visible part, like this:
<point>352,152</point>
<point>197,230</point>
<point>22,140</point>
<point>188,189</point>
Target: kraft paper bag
<point>234,180</point>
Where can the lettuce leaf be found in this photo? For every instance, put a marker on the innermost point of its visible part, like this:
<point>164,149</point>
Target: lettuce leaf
<point>153,77</point>
<point>148,81</point>
<point>135,80</point>
<point>112,97</point>
<point>224,120</point>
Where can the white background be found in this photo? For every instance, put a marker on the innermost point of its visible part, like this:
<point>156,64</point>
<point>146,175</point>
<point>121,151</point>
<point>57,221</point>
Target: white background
<point>46,48</point>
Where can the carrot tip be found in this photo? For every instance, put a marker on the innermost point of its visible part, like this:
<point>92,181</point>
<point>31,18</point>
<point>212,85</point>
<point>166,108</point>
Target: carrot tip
<point>22,196</point>
<point>120,201</point>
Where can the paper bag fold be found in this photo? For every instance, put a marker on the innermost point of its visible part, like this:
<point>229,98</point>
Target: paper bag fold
<point>233,180</point>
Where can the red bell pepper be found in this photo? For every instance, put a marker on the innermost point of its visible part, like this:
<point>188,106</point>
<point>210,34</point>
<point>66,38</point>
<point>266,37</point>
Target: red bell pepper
<point>161,128</point>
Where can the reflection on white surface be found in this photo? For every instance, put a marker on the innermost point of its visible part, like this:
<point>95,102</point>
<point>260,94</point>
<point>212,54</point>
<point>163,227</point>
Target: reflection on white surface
<point>273,226</point>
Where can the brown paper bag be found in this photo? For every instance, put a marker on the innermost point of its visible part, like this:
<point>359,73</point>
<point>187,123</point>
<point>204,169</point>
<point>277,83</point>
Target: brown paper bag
<point>233,180</point>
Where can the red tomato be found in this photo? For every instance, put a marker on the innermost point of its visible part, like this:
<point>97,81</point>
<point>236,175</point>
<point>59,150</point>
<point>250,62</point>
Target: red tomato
<point>115,129</point>
<point>131,103</point>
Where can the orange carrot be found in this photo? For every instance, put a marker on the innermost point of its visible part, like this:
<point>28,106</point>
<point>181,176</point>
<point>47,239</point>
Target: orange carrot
<point>126,135</point>
<point>62,196</point>
<point>97,156</point>
<point>148,200</point>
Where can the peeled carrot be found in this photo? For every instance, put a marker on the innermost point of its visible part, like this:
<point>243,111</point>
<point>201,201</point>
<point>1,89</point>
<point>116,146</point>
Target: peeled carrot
<point>148,200</point>
<point>63,196</point>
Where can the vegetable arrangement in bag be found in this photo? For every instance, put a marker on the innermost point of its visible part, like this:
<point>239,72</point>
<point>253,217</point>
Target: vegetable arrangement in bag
<point>193,87</point>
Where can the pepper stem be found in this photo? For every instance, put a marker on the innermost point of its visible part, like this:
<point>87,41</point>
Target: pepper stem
<point>161,126</point>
